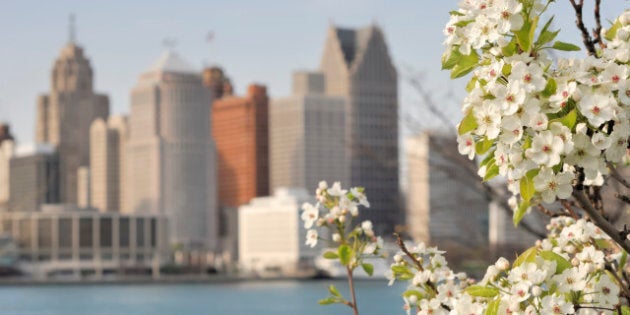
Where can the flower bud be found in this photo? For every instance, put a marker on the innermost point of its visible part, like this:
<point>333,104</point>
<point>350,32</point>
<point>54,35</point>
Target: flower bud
<point>575,262</point>
<point>397,258</point>
<point>502,264</point>
<point>569,249</point>
<point>623,34</point>
<point>413,299</point>
<point>624,18</point>
<point>336,237</point>
<point>342,219</point>
<point>536,290</point>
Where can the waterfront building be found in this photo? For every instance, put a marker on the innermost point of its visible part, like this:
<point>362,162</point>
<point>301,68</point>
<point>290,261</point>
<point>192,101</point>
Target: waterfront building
<point>172,157</point>
<point>445,205</point>
<point>33,177</point>
<point>307,135</point>
<point>84,187</point>
<point>7,147</point>
<point>241,130</point>
<point>63,240</point>
<point>108,140</point>
<point>272,235</point>
<point>65,114</point>
<point>358,66</point>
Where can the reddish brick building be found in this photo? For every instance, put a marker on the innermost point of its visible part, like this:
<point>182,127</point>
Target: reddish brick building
<point>241,132</point>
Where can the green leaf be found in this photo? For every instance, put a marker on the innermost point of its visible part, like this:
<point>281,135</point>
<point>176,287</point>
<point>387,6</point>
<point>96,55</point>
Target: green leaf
<point>415,293</point>
<point>457,13</point>
<point>463,23</point>
<point>468,123</point>
<point>481,147</point>
<point>465,65</point>
<point>506,70</point>
<point>471,84</point>
<point>368,268</point>
<point>569,119</point>
<point>328,301</point>
<point>488,159</point>
<point>561,263</point>
<point>623,261</point>
<point>493,307</point>
<point>449,61</point>
<point>545,34</point>
<point>625,310</point>
<point>491,172</point>
<point>345,254</point>
<point>565,46</point>
<point>520,212</point>
<point>525,36</point>
<point>333,290</point>
<point>527,185</point>
<point>483,291</point>
<point>550,88</point>
<point>527,256</point>
<point>612,32</point>
<point>330,255</point>
<point>509,49</point>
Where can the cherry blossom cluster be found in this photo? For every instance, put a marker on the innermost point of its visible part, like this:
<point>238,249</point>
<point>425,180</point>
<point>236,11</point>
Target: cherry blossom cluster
<point>573,271</point>
<point>545,126</point>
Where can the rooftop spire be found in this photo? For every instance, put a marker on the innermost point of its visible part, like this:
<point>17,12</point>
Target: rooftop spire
<point>72,29</point>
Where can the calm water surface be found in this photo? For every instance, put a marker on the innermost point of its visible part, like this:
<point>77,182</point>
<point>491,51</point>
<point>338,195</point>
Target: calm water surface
<point>259,298</point>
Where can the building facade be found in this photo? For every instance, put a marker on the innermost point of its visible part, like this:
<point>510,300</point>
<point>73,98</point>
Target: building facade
<point>357,65</point>
<point>272,236</point>
<point>445,205</point>
<point>307,135</point>
<point>33,178</point>
<point>62,241</point>
<point>108,140</point>
<point>65,114</point>
<point>241,130</point>
<point>172,158</point>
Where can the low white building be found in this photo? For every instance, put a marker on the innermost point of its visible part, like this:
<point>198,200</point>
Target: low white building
<point>272,236</point>
<point>63,240</point>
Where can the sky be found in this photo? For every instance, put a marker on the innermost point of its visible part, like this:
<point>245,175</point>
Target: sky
<point>254,41</point>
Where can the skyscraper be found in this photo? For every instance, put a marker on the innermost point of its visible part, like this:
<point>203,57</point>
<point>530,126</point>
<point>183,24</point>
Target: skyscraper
<point>7,146</point>
<point>65,114</point>
<point>241,130</point>
<point>33,177</point>
<point>107,163</point>
<point>307,135</point>
<point>172,157</point>
<point>357,65</point>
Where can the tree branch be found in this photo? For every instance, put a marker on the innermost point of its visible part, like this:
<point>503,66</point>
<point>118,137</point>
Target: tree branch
<point>599,220</point>
<point>586,37</point>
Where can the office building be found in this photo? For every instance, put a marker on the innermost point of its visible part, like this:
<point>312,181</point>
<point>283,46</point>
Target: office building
<point>7,146</point>
<point>357,65</point>
<point>241,131</point>
<point>307,135</point>
<point>33,177</point>
<point>172,158</point>
<point>272,236</point>
<point>445,205</point>
<point>65,114</point>
<point>108,140</point>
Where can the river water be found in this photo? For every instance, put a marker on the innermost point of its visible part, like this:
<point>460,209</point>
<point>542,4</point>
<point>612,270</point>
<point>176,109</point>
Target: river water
<point>256,298</point>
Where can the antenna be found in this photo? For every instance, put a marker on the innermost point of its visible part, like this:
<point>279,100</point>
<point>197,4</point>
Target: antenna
<point>72,29</point>
<point>210,40</point>
<point>169,43</point>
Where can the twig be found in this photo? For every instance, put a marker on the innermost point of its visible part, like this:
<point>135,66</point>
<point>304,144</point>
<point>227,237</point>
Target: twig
<point>352,304</point>
<point>599,220</point>
<point>586,37</point>
<point>404,249</point>
<point>569,209</point>
<point>622,285</point>
<point>617,176</point>
<point>597,37</point>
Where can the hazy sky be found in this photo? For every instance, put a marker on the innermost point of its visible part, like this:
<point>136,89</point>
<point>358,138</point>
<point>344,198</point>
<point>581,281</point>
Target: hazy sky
<point>255,41</point>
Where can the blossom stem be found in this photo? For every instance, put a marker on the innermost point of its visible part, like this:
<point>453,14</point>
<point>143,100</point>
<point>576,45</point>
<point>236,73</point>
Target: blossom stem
<point>599,220</point>
<point>353,304</point>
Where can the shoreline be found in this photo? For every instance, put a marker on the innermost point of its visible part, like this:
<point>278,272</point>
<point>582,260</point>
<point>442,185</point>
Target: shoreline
<point>221,279</point>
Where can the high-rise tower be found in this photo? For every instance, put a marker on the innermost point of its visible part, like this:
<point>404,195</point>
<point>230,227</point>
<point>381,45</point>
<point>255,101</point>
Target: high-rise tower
<point>357,65</point>
<point>65,114</point>
<point>172,156</point>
